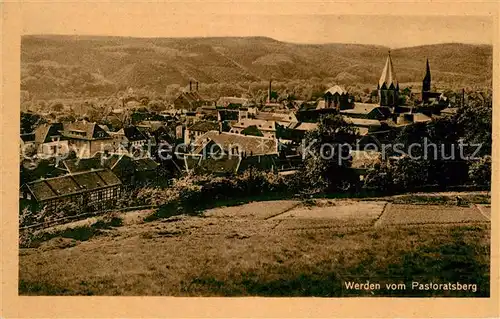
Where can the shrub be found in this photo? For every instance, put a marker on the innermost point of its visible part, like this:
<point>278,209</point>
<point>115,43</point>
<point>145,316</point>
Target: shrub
<point>409,173</point>
<point>480,171</point>
<point>379,178</point>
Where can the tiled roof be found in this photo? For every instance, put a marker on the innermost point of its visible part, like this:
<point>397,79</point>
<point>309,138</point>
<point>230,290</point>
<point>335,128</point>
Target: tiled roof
<point>152,125</point>
<point>251,145</point>
<point>44,132</point>
<point>132,133</point>
<point>303,126</point>
<point>28,137</point>
<point>360,108</point>
<point>228,115</point>
<point>192,96</point>
<point>260,124</point>
<point>111,162</point>
<point>362,122</point>
<point>145,164</point>
<point>69,184</point>
<point>279,117</point>
<point>82,165</point>
<point>336,89</point>
<point>228,100</point>
<point>252,130</point>
<point>204,126</point>
<point>84,130</point>
<point>225,165</point>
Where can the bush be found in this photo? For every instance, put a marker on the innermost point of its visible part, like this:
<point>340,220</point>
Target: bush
<point>191,193</point>
<point>409,174</point>
<point>379,178</point>
<point>480,171</point>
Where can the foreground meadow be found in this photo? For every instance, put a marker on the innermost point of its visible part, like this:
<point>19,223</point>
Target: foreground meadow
<point>258,249</point>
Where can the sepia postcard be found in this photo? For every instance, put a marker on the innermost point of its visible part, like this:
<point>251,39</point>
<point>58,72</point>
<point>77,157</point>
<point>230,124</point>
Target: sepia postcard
<point>250,159</point>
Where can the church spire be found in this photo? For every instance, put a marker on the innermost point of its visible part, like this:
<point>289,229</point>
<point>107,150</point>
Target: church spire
<point>388,76</point>
<point>426,84</point>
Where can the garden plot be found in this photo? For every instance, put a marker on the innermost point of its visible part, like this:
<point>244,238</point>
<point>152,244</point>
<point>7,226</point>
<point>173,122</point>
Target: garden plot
<point>259,210</point>
<point>485,210</point>
<point>334,214</point>
<point>429,214</point>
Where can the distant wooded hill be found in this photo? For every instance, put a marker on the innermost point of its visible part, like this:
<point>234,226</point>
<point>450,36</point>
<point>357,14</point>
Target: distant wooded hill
<point>87,65</point>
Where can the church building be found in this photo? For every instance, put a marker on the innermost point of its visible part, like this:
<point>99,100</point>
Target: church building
<point>427,95</point>
<point>388,86</point>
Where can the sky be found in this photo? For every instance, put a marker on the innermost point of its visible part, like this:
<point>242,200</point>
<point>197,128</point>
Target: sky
<point>396,25</point>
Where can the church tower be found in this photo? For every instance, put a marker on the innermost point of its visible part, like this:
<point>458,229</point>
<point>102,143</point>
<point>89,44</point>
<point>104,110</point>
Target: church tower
<point>388,86</point>
<point>426,83</point>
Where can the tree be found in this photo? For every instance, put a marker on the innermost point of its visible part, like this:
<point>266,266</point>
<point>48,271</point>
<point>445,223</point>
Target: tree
<point>409,173</point>
<point>326,154</point>
<point>474,124</point>
<point>480,171</point>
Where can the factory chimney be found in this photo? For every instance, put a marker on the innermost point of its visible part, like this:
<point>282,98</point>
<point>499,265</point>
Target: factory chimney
<point>269,91</point>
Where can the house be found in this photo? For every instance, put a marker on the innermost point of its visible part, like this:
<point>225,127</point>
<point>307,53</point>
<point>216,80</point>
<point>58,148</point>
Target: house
<point>364,126</point>
<point>91,190</point>
<point>49,140</point>
<point>408,118</point>
<point>225,115</point>
<point>232,102</point>
<point>131,171</point>
<point>227,154</point>
<point>367,111</point>
<point>196,130</point>
<point>282,118</point>
<point>87,138</point>
<point>157,131</point>
<point>130,140</point>
<point>34,169</point>
<point>134,136</point>
<point>190,100</point>
<point>215,143</point>
<point>255,127</point>
<point>303,126</point>
<point>310,114</point>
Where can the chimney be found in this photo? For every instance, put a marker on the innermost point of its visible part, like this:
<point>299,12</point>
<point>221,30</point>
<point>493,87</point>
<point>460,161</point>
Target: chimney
<point>196,86</point>
<point>269,91</point>
<point>190,86</point>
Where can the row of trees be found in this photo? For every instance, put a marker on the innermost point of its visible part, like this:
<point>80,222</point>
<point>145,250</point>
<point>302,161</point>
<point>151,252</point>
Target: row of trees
<point>444,166</point>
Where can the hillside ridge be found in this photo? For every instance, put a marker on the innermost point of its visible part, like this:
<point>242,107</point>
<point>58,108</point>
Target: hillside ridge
<point>56,64</point>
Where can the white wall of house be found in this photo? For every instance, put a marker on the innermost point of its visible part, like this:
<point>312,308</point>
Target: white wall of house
<point>53,148</point>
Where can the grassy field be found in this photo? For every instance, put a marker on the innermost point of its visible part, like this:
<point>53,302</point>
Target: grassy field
<point>245,251</point>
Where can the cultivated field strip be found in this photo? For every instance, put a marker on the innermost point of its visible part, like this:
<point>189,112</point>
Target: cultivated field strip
<point>485,210</point>
<point>399,214</point>
<point>258,210</point>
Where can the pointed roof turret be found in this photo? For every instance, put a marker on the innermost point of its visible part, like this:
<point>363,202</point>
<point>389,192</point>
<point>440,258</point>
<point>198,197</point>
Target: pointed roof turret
<point>388,76</point>
<point>426,86</point>
<point>336,89</point>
